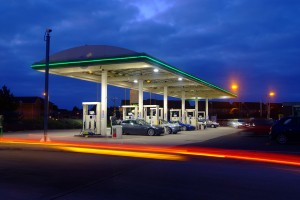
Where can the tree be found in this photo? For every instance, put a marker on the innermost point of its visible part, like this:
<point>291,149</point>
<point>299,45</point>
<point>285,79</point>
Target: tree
<point>8,106</point>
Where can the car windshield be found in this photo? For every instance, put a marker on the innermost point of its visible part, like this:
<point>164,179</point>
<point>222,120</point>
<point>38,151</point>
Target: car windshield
<point>142,122</point>
<point>163,122</point>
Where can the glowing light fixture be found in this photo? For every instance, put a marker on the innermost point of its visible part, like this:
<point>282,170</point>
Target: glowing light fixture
<point>180,79</point>
<point>155,70</point>
<point>135,81</point>
<point>271,94</point>
<point>234,86</point>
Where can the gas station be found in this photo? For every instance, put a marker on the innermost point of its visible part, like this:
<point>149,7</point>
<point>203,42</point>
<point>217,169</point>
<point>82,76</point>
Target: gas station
<point>120,67</point>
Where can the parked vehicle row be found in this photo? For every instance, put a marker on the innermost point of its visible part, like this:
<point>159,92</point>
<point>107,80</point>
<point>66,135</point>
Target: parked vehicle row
<point>141,127</point>
<point>282,131</point>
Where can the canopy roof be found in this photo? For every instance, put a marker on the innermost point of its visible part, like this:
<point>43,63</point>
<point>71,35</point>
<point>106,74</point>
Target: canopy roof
<point>125,67</point>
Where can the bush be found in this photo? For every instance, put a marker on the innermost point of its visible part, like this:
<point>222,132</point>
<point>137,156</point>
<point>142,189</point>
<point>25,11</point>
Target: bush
<point>39,124</point>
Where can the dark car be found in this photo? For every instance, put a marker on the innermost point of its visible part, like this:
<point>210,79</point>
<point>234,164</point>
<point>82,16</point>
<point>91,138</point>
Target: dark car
<point>257,126</point>
<point>183,126</point>
<point>140,127</point>
<point>286,130</point>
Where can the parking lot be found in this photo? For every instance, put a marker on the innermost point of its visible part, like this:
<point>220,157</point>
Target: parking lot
<point>182,138</point>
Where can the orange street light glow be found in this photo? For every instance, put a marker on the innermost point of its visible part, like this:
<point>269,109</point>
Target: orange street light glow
<point>271,94</point>
<point>234,87</point>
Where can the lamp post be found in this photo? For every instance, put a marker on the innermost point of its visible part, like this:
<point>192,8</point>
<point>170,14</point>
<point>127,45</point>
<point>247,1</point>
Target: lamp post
<point>46,100</point>
<point>271,94</point>
<point>234,88</point>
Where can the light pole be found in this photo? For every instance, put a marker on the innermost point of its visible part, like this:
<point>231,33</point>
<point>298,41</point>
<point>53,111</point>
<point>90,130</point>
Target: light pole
<point>234,88</point>
<point>271,94</point>
<point>46,100</point>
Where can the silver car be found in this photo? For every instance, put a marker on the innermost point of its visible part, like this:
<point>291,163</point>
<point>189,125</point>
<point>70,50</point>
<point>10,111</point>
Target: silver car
<point>170,127</point>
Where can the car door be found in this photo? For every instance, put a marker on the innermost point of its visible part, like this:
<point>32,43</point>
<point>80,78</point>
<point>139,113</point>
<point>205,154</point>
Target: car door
<point>295,129</point>
<point>291,128</point>
<point>126,126</point>
<point>135,128</point>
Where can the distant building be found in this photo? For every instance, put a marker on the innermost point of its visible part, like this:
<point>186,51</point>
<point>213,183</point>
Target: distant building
<point>32,107</point>
<point>292,107</point>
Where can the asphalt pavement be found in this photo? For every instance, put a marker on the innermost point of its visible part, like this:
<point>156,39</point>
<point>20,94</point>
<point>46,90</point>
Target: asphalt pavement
<point>41,172</point>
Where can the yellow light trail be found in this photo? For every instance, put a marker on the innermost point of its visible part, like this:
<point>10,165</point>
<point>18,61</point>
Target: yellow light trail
<point>135,154</point>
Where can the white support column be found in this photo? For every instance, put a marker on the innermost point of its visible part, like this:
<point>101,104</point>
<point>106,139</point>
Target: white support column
<point>141,100</point>
<point>196,106</point>
<point>166,103</point>
<point>206,109</point>
<point>104,103</point>
<point>183,107</point>
<point>196,111</point>
<point>98,117</point>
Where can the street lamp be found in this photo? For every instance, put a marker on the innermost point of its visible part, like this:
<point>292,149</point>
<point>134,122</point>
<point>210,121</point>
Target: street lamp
<point>271,94</point>
<point>46,100</point>
<point>234,88</point>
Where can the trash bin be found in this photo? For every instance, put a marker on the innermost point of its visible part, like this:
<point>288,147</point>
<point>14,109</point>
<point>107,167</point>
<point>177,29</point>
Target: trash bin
<point>117,131</point>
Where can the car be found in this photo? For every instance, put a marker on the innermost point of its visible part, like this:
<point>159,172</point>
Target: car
<point>183,126</point>
<point>212,124</point>
<point>170,128</point>
<point>286,130</point>
<point>257,126</point>
<point>236,123</point>
<point>140,127</point>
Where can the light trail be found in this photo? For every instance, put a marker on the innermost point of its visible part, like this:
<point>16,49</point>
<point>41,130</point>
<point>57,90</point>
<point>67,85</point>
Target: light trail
<point>134,154</point>
<point>162,152</point>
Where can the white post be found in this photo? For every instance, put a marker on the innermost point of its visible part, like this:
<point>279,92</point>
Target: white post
<point>141,100</point>
<point>166,103</point>
<point>183,107</point>
<point>206,109</point>
<point>104,103</point>
<point>98,117</point>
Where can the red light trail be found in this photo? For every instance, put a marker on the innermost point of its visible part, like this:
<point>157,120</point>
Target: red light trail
<point>161,152</point>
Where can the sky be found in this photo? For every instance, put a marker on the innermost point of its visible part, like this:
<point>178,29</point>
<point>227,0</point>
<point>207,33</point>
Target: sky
<point>253,43</point>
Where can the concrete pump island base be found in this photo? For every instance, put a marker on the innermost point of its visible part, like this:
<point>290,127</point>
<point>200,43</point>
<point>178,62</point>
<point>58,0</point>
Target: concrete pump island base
<point>125,68</point>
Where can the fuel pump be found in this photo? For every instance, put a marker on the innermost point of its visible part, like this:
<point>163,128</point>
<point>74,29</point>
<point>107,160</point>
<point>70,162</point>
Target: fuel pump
<point>91,118</point>
<point>175,114</point>
<point>191,117</point>
<point>161,113</point>
<point>130,112</point>
<point>151,113</point>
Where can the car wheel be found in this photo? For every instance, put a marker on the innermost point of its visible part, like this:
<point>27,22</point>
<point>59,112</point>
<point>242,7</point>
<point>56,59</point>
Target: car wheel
<point>184,128</point>
<point>281,139</point>
<point>168,130</point>
<point>151,132</point>
<point>212,126</point>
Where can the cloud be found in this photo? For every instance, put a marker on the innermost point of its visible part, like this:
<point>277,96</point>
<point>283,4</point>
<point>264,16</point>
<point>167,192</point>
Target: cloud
<point>256,42</point>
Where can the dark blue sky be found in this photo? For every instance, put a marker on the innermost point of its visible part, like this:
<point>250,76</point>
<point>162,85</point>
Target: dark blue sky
<point>255,43</point>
